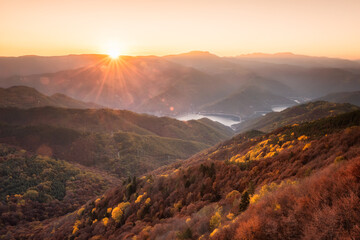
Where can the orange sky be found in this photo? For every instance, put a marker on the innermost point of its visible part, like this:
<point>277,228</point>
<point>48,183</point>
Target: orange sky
<point>160,27</point>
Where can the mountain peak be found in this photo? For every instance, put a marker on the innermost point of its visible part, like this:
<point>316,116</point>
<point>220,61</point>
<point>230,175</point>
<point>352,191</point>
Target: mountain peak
<point>196,53</point>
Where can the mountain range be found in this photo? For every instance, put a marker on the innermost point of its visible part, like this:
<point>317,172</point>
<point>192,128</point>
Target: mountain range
<point>185,83</point>
<point>343,97</point>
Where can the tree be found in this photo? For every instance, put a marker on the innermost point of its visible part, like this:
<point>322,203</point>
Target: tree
<point>215,220</point>
<point>245,200</point>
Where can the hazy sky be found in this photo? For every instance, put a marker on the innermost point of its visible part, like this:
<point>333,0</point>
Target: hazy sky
<point>159,27</point>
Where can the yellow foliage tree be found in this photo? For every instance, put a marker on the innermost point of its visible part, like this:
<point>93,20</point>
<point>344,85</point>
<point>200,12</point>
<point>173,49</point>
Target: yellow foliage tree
<point>140,197</point>
<point>302,138</point>
<point>308,145</point>
<point>116,214</point>
<point>269,188</point>
<point>178,205</point>
<point>118,211</point>
<point>233,194</point>
<point>215,220</point>
<point>214,232</point>
<point>81,210</point>
<point>230,216</point>
<point>105,221</point>
<point>76,226</point>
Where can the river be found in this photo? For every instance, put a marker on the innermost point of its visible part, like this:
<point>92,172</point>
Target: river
<point>227,121</point>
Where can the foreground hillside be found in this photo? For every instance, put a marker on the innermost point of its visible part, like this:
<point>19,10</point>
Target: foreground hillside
<point>297,114</point>
<point>53,160</point>
<point>296,182</point>
<point>26,97</point>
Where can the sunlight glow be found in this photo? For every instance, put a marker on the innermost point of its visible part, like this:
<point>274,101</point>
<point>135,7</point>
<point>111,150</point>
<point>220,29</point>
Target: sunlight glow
<point>114,54</point>
<point>114,50</point>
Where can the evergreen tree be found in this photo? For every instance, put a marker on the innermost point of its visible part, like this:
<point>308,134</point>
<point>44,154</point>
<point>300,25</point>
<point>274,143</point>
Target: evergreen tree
<point>245,201</point>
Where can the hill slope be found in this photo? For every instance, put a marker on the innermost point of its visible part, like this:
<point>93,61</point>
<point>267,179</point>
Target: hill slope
<point>247,101</point>
<point>36,187</point>
<point>120,142</point>
<point>215,193</point>
<point>26,97</point>
<point>297,114</point>
<point>343,97</point>
<point>109,121</point>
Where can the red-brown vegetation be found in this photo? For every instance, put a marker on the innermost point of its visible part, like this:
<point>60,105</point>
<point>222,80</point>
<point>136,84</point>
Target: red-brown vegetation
<point>296,193</point>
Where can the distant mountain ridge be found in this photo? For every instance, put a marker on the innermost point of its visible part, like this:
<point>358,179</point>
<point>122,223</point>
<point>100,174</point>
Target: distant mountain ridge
<point>342,97</point>
<point>179,84</point>
<point>31,64</point>
<point>247,101</point>
<point>300,60</point>
<point>27,97</point>
<point>129,83</point>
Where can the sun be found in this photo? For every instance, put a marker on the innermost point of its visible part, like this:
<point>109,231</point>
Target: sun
<point>113,49</point>
<point>113,53</point>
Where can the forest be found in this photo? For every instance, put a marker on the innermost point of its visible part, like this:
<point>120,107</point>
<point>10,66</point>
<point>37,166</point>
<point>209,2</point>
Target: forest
<point>311,169</point>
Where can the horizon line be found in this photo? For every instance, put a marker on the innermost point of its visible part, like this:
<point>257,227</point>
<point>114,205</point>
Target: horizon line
<point>250,54</point>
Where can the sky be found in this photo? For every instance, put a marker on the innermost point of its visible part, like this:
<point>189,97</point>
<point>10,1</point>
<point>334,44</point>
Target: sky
<point>160,27</point>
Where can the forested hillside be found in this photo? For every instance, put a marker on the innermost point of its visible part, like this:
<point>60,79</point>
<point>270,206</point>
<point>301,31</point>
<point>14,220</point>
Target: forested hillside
<point>37,187</point>
<point>110,121</point>
<point>283,184</point>
<point>119,142</point>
